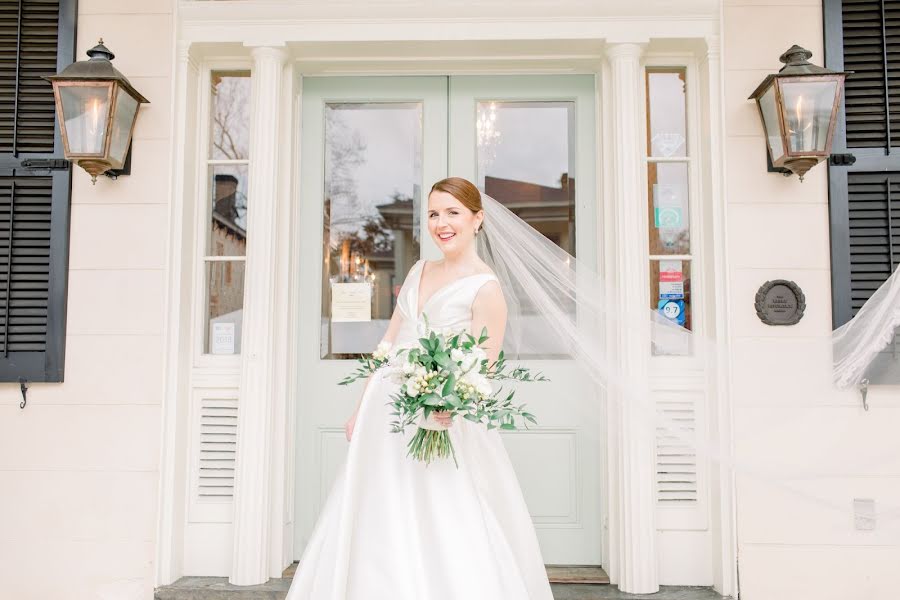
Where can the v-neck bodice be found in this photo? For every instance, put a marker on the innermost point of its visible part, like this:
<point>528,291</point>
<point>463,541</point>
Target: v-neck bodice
<point>449,306</point>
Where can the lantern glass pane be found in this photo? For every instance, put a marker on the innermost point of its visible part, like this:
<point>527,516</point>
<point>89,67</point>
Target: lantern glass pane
<point>126,109</point>
<point>85,109</point>
<point>770,122</point>
<point>807,114</point>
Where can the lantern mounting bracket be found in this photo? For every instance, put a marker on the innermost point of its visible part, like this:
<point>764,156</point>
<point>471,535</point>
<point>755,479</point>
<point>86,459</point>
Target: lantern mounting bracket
<point>126,167</point>
<point>50,164</point>
<point>834,160</point>
<point>841,160</point>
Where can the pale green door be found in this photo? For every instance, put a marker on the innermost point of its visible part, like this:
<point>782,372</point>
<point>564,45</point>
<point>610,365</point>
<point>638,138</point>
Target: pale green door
<point>371,149</point>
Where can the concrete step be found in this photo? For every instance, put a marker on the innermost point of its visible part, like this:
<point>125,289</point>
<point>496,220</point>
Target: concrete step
<point>218,588</point>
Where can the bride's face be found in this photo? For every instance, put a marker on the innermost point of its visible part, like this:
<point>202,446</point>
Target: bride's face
<point>451,224</point>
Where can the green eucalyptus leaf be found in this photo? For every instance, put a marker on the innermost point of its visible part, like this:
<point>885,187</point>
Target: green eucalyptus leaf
<point>453,400</point>
<point>433,399</point>
<point>449,384</point>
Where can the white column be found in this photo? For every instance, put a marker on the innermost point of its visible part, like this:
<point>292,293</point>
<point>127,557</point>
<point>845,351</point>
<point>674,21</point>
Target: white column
<point>722,476</point>
<point>633,508</point>
<point>170,527</point>
<point>250,558</point>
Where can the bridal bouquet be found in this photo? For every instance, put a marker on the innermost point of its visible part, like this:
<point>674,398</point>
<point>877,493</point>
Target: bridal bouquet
<point>448,371</point>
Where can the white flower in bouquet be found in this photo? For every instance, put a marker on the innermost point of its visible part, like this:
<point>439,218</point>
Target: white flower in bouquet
<point>444,374</point>
<point>382,351</point>
<point>408,368</point>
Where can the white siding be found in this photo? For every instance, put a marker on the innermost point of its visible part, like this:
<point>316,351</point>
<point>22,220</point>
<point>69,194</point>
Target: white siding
<point>79,466</point>
<point>803,450</point>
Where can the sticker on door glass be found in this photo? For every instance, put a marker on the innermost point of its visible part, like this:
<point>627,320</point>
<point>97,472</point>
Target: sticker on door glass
<point>671,280</point>
<point>351,302</point>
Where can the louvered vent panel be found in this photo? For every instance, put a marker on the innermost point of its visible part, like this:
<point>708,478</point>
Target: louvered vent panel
<point>676,453</point>
<point>874,207</point>
<point>25,263</point>
<point>26,101</point>
<point>218,444</point>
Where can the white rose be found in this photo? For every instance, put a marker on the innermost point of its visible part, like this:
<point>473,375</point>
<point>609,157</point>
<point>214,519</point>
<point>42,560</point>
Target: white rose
<point>472,377</point>
<point>408,368</point>
<point>412,387</point>
<point>382,350</point>
<point>484,387</point>
<point>457,355</point>
<point>469,361</point>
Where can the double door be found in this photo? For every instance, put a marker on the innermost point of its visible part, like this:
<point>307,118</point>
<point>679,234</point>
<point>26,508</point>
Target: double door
<point>371,148</point>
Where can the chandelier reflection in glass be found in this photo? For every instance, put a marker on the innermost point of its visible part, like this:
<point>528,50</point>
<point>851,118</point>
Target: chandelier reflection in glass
<point>488,136</point>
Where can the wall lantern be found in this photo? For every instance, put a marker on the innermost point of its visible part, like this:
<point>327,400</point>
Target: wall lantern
<point>97,108</point>
<point>798,107</point>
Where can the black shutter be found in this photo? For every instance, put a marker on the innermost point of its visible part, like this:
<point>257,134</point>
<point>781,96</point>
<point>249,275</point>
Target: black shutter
<point>37,38</point>
<point>864,199</point>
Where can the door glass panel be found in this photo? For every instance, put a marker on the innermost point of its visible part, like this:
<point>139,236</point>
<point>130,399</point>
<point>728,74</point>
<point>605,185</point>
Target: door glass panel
<point>526,160</point>
<point>666,99</point>
<point>228,211</point>
<point>372,195</point>
<point>669,217</point>
<point>225,306</point>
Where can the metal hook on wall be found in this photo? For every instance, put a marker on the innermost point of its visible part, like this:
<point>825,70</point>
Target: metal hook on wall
<point>24,388</point>
<point>864,390</point>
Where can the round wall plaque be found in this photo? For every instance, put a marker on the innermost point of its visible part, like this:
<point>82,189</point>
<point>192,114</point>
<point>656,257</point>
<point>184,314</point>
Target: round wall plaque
<point>780,302</point>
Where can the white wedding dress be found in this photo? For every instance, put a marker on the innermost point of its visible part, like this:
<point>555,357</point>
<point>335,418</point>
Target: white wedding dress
<point>394,528</point>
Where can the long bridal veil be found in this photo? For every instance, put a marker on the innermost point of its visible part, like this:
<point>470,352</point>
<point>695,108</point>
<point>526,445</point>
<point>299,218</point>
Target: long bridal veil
<point>858,343</point>
<point>560,307</point>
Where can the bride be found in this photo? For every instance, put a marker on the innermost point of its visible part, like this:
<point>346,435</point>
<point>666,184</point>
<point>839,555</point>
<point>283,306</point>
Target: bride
<point>394,528</point>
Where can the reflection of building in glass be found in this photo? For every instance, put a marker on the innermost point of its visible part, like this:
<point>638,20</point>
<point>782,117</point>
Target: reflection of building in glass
<point>550,210</point>
<point>380,251</point>
<point>228,238</point>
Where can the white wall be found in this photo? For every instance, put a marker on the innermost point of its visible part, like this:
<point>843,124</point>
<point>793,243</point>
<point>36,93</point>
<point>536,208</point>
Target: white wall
<point>804,450</point>
<point>79,465</point>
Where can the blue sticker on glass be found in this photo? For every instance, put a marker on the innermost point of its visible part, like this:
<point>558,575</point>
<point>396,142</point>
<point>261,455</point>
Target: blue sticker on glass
<point>672,310</point>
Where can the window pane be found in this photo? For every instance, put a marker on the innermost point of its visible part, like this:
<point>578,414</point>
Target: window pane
<point>373,188</point>
<point>669,222</point>
<point>228,212</point>
<point>526,160</point>
<point>230,115</point>
<point>225,302</point>
<point>666,113</point>
<point>670,292</point>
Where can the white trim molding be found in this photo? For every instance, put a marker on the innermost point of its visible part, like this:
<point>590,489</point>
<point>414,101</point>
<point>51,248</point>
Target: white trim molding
<point>255,544</point>
<point>723,509</point>
<point>173,472</point>
<point>250,558</point>
<point>634,564</point>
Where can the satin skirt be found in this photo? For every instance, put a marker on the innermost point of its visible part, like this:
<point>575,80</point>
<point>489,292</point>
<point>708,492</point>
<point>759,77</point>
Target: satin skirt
<point>394,528</point>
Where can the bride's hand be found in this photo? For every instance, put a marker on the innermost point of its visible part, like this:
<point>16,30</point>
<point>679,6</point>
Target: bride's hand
<point>348,426</point>
<point>436,421</point>
<point>444,417</point>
